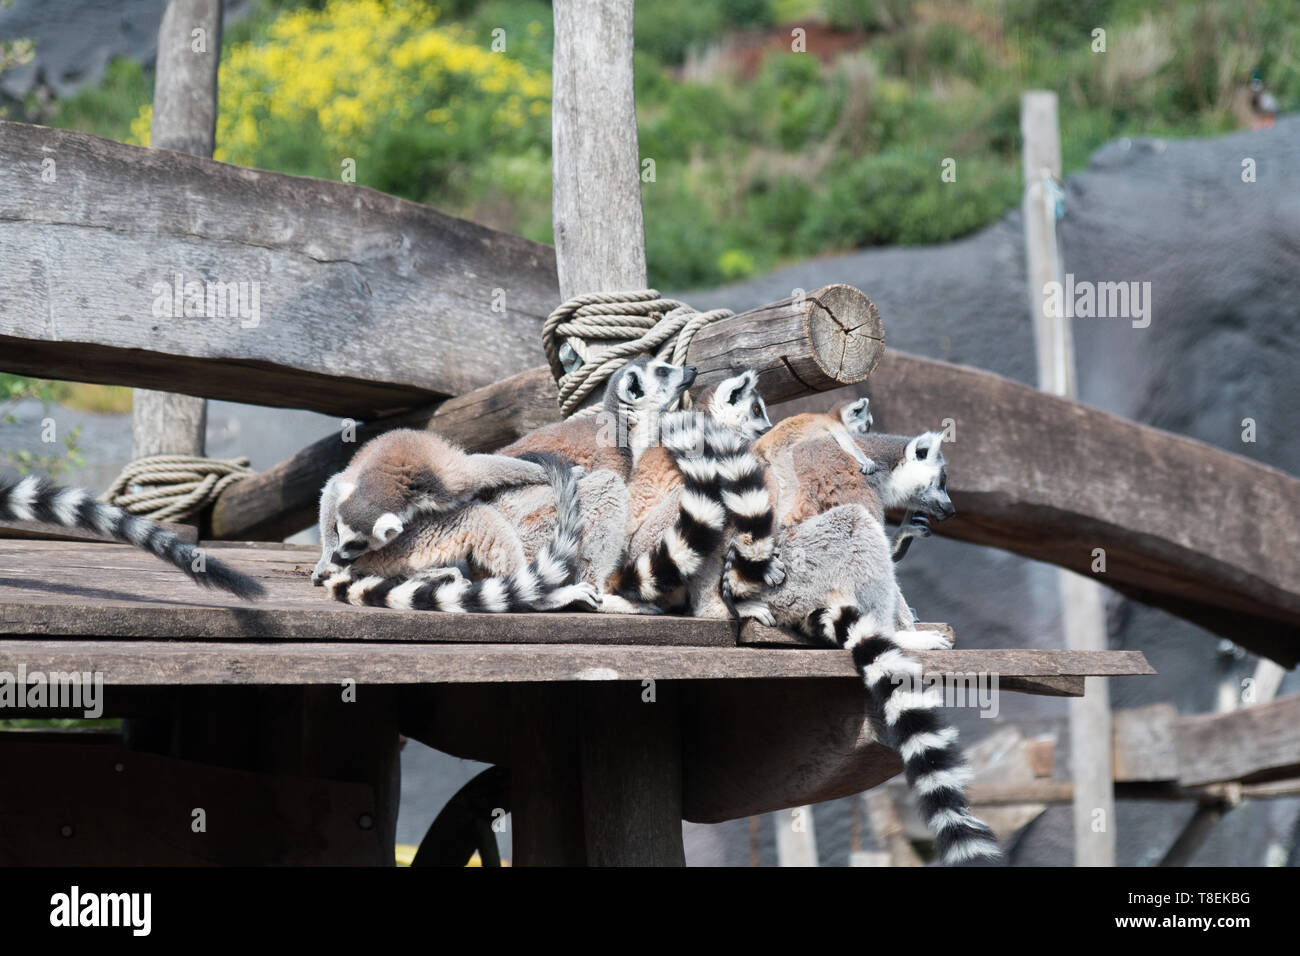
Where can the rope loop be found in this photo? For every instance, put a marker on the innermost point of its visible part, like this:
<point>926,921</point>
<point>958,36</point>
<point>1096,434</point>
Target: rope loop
<point>590,337</point>
<point>173,487</point>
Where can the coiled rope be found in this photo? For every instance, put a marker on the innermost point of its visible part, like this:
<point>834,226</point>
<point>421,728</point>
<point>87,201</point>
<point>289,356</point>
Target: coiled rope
<point>590,337</point>
<point>173,487</point>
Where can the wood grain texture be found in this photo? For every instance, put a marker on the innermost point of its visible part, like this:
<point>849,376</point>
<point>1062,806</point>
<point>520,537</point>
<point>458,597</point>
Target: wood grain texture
<point>368,303</point>
<point>774,339</point>
<point>1252,744</point>
<point>595,160</point>
<point>184,119</point>
<point>1201,533</point>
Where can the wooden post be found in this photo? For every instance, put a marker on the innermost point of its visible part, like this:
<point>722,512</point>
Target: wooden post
<point>1082,612</point>
<point>796,840</point>
<point>184,119</point>
<point>629,754</point>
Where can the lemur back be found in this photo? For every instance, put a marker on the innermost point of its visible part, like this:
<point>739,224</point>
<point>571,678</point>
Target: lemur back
<point>546,583</point>
<point>394,480</point>
<point>33,498</point>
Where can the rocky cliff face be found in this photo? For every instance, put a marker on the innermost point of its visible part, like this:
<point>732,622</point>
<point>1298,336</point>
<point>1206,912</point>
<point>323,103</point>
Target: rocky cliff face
<point>76,39</point>
<point>1222,257</point>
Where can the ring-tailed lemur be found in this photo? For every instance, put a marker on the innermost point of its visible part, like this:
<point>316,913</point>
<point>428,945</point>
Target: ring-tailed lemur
<point>396,477</point>
<point>545,584</point>
<point>33,498</point>
<point>614,438</point>
<point>722,504</point>
<point>489,534</point>
<point>841,587</point>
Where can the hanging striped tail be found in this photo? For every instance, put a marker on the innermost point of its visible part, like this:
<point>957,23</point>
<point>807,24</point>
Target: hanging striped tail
<point>934,765</point>
<point>546,584</point>
<point>34,498</point>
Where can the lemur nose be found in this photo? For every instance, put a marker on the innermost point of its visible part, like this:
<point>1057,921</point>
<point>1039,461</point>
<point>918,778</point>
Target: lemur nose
<point>689,373</point>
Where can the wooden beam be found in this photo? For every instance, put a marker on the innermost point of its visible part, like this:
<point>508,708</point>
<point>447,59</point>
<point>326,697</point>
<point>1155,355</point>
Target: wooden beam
<point>1083,616</point>
<point>1196,531</point>
<point>821,341</point>
<point>1251,744</point>
<point>184,119</point>
<point>368,304</point>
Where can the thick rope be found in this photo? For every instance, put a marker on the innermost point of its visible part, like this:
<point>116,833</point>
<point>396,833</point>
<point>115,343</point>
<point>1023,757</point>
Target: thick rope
<point>173,487</point>
<point>626,324</point>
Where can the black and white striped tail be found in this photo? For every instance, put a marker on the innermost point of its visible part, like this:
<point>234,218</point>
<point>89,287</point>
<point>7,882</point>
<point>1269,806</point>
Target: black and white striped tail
<point>543,585</point>
<point>34,498</point>
<point>934,765</point>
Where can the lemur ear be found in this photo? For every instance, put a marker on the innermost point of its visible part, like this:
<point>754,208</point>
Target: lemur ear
<point>856,416</point>
<point>631,387</point>
<point>733,389</point>
<point>344,489</point>
<point>919,449</point>
<point>388,527</point>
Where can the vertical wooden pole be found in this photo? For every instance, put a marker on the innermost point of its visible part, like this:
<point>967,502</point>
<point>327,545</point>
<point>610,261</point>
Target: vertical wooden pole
<point>795,847</point>
<point>1082,611</point>
<point>184,119</point>
<point>629,753</point>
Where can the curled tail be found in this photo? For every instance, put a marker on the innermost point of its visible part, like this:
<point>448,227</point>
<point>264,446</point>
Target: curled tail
<point>546,584</point>
<point>934,765</point>
<point>34,498</point>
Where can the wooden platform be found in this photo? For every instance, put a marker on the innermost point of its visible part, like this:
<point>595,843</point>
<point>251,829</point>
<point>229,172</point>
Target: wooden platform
<point>142,623</point>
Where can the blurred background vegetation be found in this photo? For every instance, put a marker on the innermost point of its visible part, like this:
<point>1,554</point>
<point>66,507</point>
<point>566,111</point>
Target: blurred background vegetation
<point>762,155</point>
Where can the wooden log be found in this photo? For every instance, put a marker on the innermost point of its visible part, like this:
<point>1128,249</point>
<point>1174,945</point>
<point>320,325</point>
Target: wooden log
<point>368,304</point>
<point>819,341</point>
<point>1252,744</point>
<point>1206,535</point>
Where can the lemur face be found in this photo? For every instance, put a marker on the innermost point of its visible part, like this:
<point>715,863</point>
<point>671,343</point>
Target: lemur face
<point>922,477</point>
<point>652,384</point>
<point>738,406</point>
<point>362,524</point>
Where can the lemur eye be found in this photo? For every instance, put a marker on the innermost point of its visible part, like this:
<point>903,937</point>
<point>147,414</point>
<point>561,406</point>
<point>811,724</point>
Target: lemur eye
<point>756,410</point>
<point>662,371</point>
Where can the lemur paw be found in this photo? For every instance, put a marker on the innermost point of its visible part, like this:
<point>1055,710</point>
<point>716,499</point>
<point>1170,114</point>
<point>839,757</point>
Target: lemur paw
<point>577,596</point>
<point>578,472</point>
<point>869,467</point>
<point>323,571</point>
<point>775,572</point>
<point>617,604</point>
<point>756,611</point>
<point>923,640</point>
<point>920,526</point>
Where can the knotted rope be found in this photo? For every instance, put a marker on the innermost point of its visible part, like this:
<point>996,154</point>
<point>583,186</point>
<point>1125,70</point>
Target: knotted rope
<point>173,487</point>
<point>626,324</point>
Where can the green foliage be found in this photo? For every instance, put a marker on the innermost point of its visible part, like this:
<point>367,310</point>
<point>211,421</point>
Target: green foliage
<point>16,388</point>
<point>756,163</point>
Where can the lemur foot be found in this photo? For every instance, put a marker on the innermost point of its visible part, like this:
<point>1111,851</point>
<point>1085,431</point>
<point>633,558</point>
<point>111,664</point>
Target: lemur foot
<point>756,611</point>
<point>584,597</point>
<point>869,467</point>
<point>617,604</point>
<point>923,640</point>
<point>323,571</point>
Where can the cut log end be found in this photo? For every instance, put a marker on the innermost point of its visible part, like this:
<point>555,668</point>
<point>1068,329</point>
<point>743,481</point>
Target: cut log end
<point>846,334</point>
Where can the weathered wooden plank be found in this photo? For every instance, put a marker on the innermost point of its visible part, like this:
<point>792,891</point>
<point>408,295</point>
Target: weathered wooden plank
<point>817,342</point>
<point>1144,744</point>
<point>1201,533</point>
<point>151,662</point>
<point>366,304</point>
<point>38,531</point>
<point>1253,743</point>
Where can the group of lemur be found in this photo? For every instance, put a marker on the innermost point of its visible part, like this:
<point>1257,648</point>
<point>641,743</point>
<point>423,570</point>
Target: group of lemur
<point>638,509</point>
